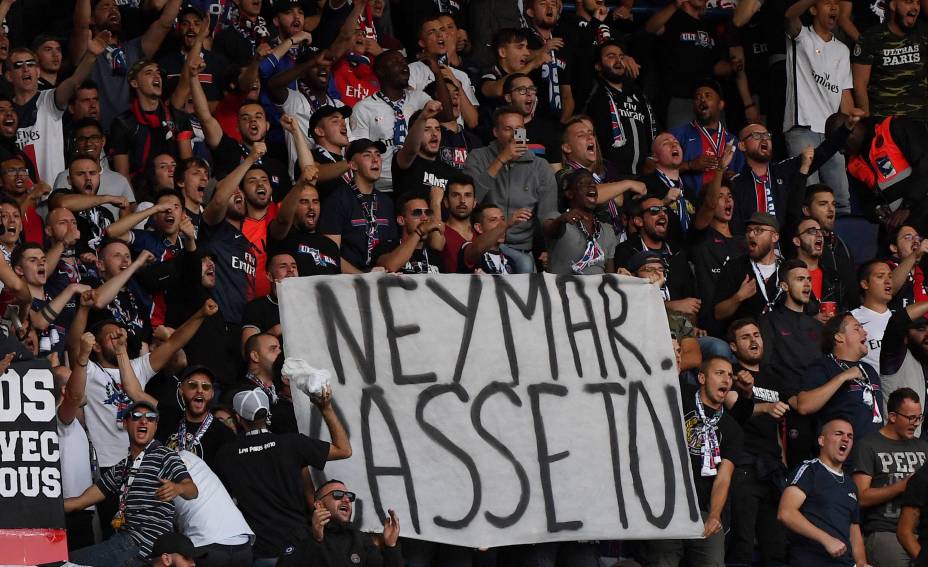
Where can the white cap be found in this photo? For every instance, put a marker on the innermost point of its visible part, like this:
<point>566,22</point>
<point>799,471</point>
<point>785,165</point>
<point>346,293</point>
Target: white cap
<point>249,403</point>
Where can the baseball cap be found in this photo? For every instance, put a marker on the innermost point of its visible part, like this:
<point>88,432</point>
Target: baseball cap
<point>197,369</point>
<point>174,542</point>
<point>285,5</point>
<point>139,404</point>
<point>250,403</point>
<point>361,145</point>
<point>709,83</point>
<point>643,258</point>
<point>42,38</point>
<point>764,219</point>
<point>191,9</point>
<point>324,112</point>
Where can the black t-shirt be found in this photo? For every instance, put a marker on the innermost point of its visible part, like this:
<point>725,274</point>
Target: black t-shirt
<point>710,253</point>
<point>550,77</point>
<point>263,472</point>
<point>314,253</point>
<point>214,77</point>
<point>228,154</point>
<point>689,51</point>
<point>233,47</point>
<point>729,435</point>
<point>762,432</point>
<point>206,447</point>
<point>422,261</point>
<point>235,267</point>
<point>831,505</point>
<point>456,145</point>
<point>421,175</point>
<point>142,142</point>
<point>91,222</point>
<point>544,138</point>
<point>131,307</point>
<point>916,495</point>
<point>730,279</point>
<point>343,214</point>
<point>262,314</point>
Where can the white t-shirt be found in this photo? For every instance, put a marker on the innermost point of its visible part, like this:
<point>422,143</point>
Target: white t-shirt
<point>420,76</point>
<point>373,118</point>
<point>298,106</point>
<point>111,183</point>
<point>43,140</point>
<point>212,516</point>
<point>75,458</point>
<point>106,401</point>
<point>875,325</point>
<point>822,72</point>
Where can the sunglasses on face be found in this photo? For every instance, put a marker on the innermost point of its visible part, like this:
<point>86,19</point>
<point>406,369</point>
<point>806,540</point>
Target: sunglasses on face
<point>138,415</point>
<point>657,209</point>
<point>25,63</point>
<point>194,384</point>
<point>421,212</point>
<point>339,494</point>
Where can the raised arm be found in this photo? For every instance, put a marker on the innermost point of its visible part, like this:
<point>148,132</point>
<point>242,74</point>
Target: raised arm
<point>304,156</point>
<point>179,338</point>
<point>394,260</point>
<point>110,288</point>
<point>340,446</point>
<point>905,267</point>
<point>76,202</point>
<point>487,240</point>
<point>80,30</point>
<point>407,154</point>
<point>793,13</point>
<point>280,226</point>
<point>66,89</point>
<point>159,29</point>
<point>659,19</point>
<point>79,324</point>
<point>121,228</point>
<point>73,396</point>
<point>216,209</point>
<point>130,382</point>
<point>47,315</point>
<point>212,131</point>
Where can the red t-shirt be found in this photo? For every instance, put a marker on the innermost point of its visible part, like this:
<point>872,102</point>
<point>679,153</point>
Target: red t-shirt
<point>33,228</point>
<point>817,282</point>
<point>256,233</point>
<point>452,251</point>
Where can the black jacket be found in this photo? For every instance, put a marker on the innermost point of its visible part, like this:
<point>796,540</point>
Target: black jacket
<point>343,545</point>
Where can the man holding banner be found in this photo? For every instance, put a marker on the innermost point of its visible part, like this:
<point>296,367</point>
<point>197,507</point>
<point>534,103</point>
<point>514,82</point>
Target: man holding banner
<point>714,440</point>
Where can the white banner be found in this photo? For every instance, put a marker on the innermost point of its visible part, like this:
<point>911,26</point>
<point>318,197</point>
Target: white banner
<point>492,410</point>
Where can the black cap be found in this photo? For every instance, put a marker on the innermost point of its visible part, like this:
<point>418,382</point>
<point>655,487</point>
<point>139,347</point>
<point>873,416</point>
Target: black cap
<point>42,38</point>
<point>197,369</point>
<point>139,404</point>
<point>286,5</point>
<point>191,9</point>
<point>709,83</point>
<point>324,112</point>
<point>174,542</point>
<point>361,145</point>
<point>642,258</point>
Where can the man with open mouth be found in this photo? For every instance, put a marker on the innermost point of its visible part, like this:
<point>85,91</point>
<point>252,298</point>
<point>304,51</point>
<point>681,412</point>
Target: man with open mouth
<point>885,464</point>
<point>820,506</point>
<point>840,383</point>
<point>146,483</point>
<point>888,64</point>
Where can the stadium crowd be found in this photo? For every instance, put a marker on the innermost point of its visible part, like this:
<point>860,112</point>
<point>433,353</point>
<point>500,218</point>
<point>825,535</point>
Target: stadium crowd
<point>165,164</point>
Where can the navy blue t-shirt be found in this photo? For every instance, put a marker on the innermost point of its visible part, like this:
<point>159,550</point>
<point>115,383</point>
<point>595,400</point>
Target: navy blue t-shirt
<point>342,214</point>
<point>848,401</point>
<point>236,265</point>
<point>831,505</point>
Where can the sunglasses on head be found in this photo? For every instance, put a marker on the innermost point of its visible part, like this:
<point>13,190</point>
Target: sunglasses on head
<point>138,415</point>
<point>339,494</point>
<point>194,384</point>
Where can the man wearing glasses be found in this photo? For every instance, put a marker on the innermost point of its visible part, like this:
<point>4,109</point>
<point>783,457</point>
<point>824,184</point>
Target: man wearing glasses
<point>763,184</point>
<point>885,461</point>
<point>196,430</point>
<point>422,237</point>
<point>335,541</point>
<point>145,483</point>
